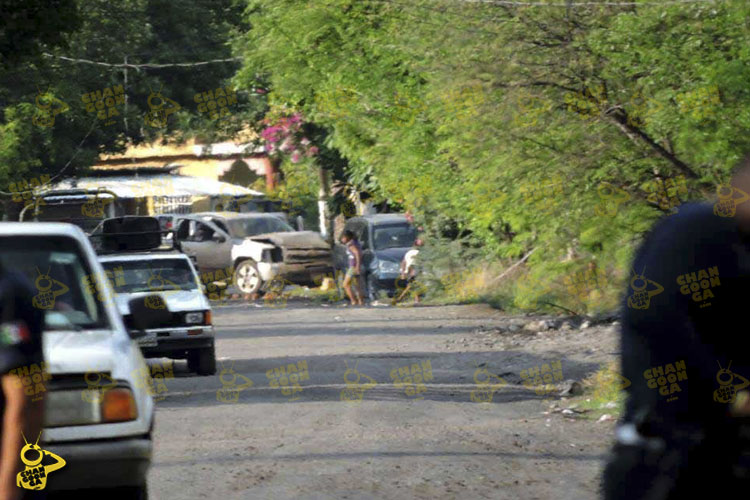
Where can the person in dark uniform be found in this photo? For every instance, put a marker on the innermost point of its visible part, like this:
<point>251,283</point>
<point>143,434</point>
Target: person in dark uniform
<point>686,351</point>
<point>20,346</point>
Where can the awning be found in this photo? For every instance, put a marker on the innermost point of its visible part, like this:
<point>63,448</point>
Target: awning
<point>153,185</point>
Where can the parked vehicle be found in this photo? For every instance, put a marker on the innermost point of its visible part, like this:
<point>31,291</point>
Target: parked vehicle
<point>188,334</point>
<point>106,441</point>
<point>257,246</point>
<point>385,239</point>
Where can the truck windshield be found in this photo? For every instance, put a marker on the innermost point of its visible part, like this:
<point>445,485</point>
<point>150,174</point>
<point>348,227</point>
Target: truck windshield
<point>153,275</point>
<point>242,227</point>
<point>393,236</point>
<point>60,273</point>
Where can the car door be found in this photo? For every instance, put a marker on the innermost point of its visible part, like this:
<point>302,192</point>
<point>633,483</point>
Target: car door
<point>208,247</point>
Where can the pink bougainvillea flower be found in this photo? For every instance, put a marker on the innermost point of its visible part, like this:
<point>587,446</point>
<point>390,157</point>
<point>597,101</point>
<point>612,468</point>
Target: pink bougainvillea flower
<point>305,141</point>
<point>312,151</point>
<point>295,157</point>
<point>286,146</point>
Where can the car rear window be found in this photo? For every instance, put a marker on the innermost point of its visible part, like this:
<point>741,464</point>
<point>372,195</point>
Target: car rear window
<point>56,266</point>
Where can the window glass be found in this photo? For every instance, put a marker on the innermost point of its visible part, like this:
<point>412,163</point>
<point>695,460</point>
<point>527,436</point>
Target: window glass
<point>151,275</point>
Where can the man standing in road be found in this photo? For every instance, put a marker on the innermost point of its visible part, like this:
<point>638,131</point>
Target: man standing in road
<point>20,346</point>
<point>354,268</point>
<point>408,271</point>
<point>685,429</point>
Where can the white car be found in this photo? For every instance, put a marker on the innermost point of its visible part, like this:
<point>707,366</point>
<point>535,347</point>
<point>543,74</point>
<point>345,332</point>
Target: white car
<point>189,333</point>
<point>106,440</point>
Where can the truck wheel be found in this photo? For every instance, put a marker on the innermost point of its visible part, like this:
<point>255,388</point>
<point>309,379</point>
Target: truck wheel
<point>246,277</point>
<point>128,493</point>
<point>202,361</point>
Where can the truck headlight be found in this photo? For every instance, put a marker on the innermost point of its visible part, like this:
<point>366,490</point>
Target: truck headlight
<point>388,267</point>
<point>193,318</point>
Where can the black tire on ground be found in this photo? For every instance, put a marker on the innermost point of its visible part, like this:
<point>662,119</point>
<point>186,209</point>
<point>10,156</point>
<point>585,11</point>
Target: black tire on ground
<point>128,493</point>
<point>202,361</point>
<point>246,277</point>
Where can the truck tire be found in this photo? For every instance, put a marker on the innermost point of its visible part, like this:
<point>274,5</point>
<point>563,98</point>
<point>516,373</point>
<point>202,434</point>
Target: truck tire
<point>247,277</point>
<point>202,361</point>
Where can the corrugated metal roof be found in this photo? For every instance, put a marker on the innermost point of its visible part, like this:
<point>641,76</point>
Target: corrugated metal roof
<point>156,185</point>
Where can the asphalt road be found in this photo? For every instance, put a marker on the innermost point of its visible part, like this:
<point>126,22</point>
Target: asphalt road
<point>375,436</point>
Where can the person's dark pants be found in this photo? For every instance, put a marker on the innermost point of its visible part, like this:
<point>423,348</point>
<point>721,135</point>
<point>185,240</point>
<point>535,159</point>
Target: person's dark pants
<point>707,471</point>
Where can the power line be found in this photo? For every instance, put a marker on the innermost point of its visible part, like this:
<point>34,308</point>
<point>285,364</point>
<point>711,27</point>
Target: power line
<point>146,65</point>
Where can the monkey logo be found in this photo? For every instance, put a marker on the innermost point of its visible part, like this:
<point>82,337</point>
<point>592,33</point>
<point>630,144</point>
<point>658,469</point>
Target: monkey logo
<point>275,296</point>
<point>611,197</point>
<point>727,393</point>
<point>46,297</point>
<point>158,284</point>
<point>355,390</point>
<point>726,205</point>
<point>96,207</point>
<point>45,112</point>
<point>34,475</point>
<point>97,385</point>
<point>348,208</point>
<point>641,298</point>
<point>160,109</point>
<point>488,383</point>
<point>230,391</point>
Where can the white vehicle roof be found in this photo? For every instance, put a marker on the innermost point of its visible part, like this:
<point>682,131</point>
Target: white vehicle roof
<point>41,229</point>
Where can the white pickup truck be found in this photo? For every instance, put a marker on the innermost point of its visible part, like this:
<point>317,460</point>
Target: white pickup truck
<point>105,440</point>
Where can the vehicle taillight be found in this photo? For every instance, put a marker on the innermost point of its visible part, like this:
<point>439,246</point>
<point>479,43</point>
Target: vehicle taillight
<point>118,405</point>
